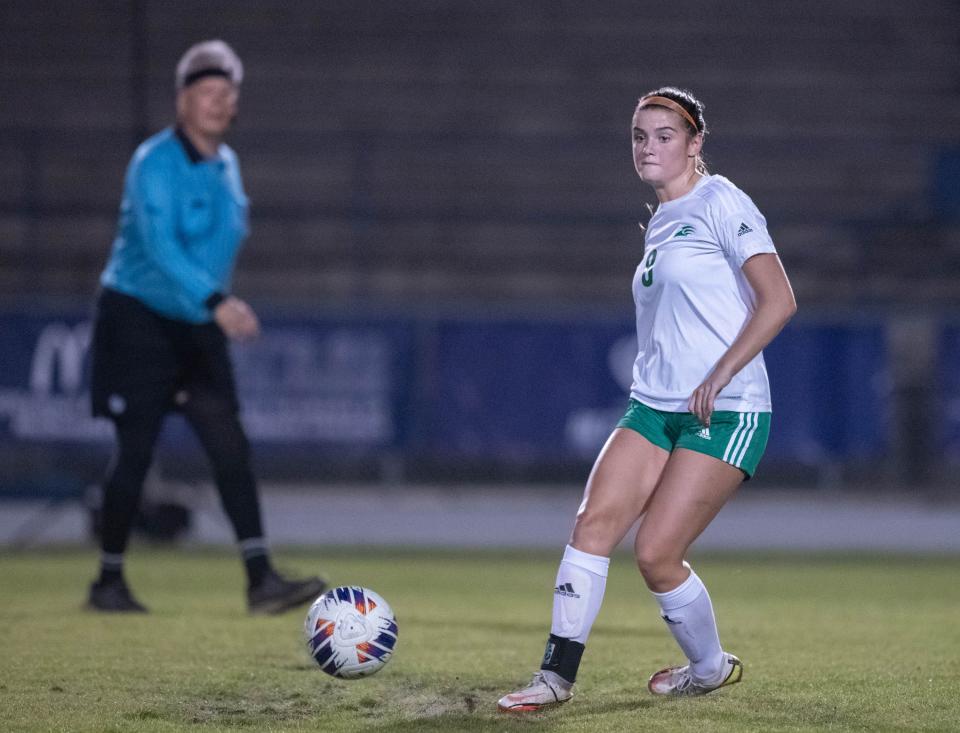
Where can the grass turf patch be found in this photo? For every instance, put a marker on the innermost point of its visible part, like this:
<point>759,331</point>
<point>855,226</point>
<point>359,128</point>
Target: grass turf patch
<point>829,642</point>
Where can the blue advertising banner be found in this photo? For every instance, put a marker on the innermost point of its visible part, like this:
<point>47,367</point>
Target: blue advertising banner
<point>327,382</point>
<point>525,391</point>
<point>502,391</point>
<point>949,368</point>
<point>43,380</point>
<point>831,389</point>
<point>542,391</point>
<point>321,382</point>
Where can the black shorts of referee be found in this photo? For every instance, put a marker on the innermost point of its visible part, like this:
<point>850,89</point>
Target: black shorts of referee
<point>145,362</point>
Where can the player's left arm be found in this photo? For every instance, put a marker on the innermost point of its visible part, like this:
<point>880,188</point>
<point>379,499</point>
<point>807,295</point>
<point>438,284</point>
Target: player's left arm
<point>775,305</point>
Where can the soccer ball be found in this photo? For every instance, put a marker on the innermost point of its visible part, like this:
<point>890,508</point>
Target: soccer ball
<point>350,632</point>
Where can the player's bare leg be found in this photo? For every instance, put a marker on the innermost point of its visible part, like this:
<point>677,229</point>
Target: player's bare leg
<point>619,486</point>
<point>693,489</point>
<point>622,481</point>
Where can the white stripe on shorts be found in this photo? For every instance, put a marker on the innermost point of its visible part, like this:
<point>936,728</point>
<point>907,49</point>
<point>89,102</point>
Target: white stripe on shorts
<point>733,438</point>
<point>754,417</point>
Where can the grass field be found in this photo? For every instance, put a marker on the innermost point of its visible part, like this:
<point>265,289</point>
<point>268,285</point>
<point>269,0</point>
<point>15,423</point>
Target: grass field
<point>830,643</point>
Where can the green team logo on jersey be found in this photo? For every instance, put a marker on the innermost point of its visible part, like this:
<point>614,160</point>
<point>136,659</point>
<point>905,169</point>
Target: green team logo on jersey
<point>685,231</point>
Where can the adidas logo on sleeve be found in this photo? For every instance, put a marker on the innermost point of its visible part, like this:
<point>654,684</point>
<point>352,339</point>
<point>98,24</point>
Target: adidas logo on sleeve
<point>744,229</point>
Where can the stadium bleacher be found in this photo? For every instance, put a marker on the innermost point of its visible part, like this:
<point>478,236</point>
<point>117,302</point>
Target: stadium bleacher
<point>433,151</point>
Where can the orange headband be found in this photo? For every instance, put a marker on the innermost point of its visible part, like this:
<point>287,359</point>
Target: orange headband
<point>669,104</point>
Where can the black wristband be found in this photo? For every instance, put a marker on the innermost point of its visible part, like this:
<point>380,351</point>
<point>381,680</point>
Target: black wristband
<point>214,300</point>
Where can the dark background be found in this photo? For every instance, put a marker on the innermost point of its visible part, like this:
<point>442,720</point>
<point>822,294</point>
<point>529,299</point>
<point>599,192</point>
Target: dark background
<point>458,165</point>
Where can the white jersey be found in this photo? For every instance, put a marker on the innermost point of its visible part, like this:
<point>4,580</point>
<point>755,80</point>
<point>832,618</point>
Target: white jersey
<point>693,300</point>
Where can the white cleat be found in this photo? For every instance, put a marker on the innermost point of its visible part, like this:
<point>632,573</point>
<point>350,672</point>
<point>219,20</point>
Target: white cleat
<point>540,693</point>
<point>678,682</point>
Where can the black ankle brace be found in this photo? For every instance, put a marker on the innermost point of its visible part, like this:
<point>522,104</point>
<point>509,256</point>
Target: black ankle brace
<point>562,656</point>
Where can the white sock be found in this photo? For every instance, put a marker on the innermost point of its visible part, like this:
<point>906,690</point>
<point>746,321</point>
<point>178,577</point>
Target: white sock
<point>689,615</point>
<point>578,593</point>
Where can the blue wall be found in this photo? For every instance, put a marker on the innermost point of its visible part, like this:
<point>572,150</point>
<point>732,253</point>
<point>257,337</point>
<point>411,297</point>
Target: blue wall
<point>947,439</point>
<point>502,391</point>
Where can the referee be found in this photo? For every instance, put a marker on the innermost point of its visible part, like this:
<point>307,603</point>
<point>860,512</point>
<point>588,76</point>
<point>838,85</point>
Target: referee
<point>163,318</point>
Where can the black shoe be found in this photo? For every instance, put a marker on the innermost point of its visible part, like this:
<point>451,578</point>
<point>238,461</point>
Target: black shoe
<point>276,594</point>
<point>113,597</point>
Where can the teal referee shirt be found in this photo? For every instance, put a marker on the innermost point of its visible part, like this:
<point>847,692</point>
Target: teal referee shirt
<point>182,221</point>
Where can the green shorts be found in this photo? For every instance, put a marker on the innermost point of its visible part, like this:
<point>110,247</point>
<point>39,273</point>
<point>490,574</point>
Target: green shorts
<point>737,438</point>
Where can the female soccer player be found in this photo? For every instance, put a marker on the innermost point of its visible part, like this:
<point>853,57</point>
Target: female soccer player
<point>710,293</point>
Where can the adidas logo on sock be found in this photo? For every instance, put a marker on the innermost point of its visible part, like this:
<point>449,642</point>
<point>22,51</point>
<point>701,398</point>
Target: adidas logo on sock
<point>566,589</point>
<point>744,229</point>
